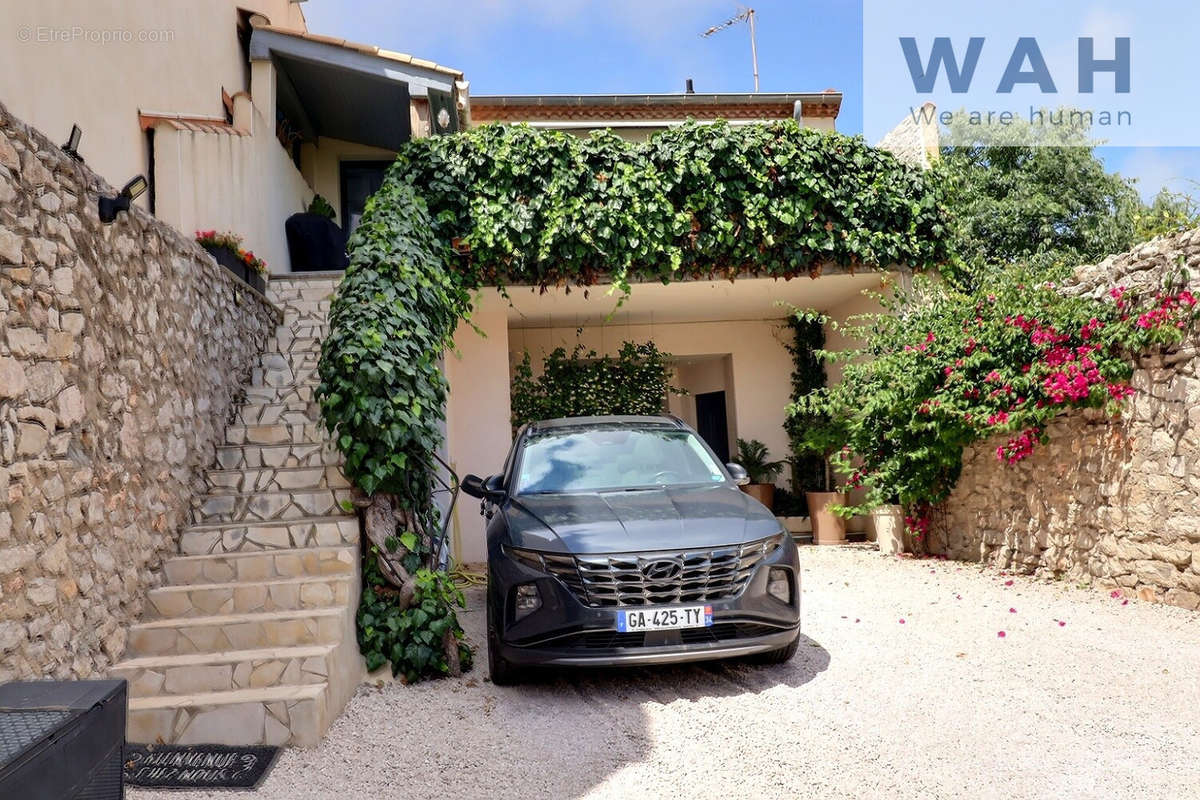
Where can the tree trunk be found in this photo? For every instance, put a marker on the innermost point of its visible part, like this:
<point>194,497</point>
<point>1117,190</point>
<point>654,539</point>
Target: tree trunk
<point>380,522</point>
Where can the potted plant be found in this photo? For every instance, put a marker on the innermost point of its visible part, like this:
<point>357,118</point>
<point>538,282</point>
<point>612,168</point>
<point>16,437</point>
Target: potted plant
<point>315,241</point>
<point>752,455</point>
<point>816,434</point>
<point>226,248</point>
<point>887,526</point>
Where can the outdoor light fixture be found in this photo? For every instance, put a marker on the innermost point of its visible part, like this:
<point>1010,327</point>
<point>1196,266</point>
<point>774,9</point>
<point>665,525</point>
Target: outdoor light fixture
<point>109,206</point>
<point>71,148</point>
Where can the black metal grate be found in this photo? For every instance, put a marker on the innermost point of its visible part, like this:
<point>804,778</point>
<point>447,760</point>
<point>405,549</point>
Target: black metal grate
<point>20,729</point>
<point>662,578</point>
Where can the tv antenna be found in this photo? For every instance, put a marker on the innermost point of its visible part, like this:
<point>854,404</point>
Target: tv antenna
<point>744,15</point>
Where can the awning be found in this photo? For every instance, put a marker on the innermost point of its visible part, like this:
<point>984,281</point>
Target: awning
<point>359,93</point>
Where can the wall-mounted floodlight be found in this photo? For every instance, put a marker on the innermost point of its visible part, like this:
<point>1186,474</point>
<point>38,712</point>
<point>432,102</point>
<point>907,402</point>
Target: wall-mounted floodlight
<point>109,206</point>
<point>71,148</point>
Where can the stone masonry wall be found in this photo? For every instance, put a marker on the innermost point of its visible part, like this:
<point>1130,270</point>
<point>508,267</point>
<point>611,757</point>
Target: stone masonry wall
<point>123,349</point>
<point>1115,501</point>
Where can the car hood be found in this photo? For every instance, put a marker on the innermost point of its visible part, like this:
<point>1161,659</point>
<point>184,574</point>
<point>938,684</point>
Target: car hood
<point>662,518</point>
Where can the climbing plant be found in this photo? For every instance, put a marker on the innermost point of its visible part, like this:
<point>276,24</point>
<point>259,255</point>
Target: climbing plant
<point>505,205</point>
<point>583,383</point>
<point>810,470</point>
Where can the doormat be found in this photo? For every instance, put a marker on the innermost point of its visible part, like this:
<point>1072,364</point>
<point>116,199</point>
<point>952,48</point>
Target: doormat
<point>197,766</point>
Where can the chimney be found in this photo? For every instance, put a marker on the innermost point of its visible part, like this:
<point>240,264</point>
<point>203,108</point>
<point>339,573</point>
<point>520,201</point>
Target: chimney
<point>690,89</point>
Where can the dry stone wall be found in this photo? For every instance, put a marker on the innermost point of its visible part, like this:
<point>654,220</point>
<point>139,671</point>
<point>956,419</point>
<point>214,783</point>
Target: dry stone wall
<point>123,349</point>
<point>1115,501</point>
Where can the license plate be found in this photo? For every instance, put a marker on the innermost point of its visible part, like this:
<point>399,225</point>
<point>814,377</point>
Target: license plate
<point>663,619</point>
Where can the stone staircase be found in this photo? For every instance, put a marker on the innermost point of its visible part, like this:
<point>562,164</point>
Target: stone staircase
<point>251,639</point>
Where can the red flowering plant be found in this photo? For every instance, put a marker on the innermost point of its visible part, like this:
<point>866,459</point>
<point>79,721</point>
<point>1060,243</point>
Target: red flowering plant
<point>232,242</point>
<point>941,369</point>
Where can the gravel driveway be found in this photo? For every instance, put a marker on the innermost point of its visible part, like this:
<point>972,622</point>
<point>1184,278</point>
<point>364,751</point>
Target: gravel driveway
<point>902,688</point>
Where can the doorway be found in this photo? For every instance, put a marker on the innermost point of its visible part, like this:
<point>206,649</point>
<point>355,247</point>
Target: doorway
<point>360,180</point>
<point>712,422</point>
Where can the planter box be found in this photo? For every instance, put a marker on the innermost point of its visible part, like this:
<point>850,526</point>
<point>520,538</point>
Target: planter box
<point>230,261</point>
<point>794,525</point>
<point>887,523</point>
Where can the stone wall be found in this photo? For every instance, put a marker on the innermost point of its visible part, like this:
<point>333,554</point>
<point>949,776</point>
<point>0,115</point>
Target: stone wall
<point>1115,501</point>
<point>123,349</point>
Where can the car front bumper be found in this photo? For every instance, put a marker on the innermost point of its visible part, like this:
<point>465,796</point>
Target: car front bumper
<point>565,632</point>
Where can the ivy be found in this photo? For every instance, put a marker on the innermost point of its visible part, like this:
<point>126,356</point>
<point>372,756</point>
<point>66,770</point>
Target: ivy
<point>810,470</point>
<point>410,638</point>
<point>584,384</point>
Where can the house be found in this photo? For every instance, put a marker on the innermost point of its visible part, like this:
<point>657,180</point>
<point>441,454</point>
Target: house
<point>234,111</point>
<point>728,339</point>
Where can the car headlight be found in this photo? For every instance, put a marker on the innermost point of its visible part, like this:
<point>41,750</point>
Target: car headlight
<point>526,600</point>
<point>527,557</point>
<point>779,584</point>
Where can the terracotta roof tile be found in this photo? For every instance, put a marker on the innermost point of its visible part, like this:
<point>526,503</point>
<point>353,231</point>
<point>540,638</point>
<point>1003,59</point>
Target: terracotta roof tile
<point>369,49</point>
<point>194,124</point>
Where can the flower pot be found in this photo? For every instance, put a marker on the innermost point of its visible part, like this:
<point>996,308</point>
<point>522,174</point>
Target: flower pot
<point>795,525</point>
<point>227,259</point>
<point>762,492</point>
<point>888,524</point>
<point>828,528</point>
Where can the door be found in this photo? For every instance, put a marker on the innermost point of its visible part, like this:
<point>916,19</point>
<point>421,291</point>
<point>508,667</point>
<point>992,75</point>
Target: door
<point>360,180</point>
<point>712,424</point>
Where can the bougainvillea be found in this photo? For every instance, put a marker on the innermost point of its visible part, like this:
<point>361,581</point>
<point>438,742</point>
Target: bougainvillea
<point>947,370</point>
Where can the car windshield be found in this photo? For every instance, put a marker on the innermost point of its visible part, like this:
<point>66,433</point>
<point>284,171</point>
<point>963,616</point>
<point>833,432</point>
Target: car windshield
<point>605,459</point>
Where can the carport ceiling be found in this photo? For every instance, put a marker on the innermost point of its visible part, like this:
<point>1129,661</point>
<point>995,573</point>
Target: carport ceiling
<point>325,100</point>
<point>687,301</point>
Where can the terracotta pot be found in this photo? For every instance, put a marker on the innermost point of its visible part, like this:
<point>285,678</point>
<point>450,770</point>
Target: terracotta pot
<point>888,522</point>
<point>762,492</point>
<point>828,528</point>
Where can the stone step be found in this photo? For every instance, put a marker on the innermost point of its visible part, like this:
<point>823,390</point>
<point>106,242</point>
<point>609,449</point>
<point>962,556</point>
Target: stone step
<point>259,565</point>
<point>277,715</point>
<point>276,480</point>
<point>250,597</point>
<point>301,361</point>
<point>154,676</point>
<point>306,339</point>
<point>254,456</point>
<point>275,413</point>
<point>283,377</point>
<point>215,634</point>
<point>301,394</point>
<point>244,537</point>
<point>264,506</point>
<point>299,433</point>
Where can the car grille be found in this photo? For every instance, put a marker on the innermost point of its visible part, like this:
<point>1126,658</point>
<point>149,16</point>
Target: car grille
<point>663,578</point>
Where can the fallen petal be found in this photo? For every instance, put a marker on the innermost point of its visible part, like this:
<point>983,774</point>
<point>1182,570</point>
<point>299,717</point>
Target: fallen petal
<point>1008,583</point>
<point>1001,634</point>
<point>901,621</point>
<point>1012,611</point>
<point>1061,623</point>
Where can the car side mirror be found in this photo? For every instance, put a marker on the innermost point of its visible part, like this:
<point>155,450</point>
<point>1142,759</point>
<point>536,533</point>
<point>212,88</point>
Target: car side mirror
<point>473,485</point>
<point>490,488</point>
<point>738,473</point>
<point>493,488</point>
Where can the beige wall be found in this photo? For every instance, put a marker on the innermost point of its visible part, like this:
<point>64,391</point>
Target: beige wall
<point>761,367</point>
<point>699,377</point>
<point>478,423</point>
<point>56,68</point>
<point>321,165</point>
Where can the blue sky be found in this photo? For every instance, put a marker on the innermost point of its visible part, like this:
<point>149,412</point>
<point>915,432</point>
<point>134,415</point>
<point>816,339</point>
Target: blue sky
<point>585,46</point>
